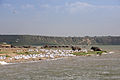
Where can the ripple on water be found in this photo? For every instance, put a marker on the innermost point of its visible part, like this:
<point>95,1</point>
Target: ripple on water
<point>105,67</point>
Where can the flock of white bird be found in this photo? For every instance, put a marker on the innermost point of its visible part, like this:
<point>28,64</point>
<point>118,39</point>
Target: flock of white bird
<point>2,57</point>
<point>45,53</point>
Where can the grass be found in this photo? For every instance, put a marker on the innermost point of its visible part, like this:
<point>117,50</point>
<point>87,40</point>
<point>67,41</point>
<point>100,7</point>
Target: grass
<point>26,53</point>
<point>7,56</point>
<point>2,52</point>
<point>89,52</point>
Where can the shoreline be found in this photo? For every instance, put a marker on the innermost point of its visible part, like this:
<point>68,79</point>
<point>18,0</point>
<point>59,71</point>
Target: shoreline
<point>32,61</point>
<point>41,54</point>
<point>33,55</point>
<point>47,59</point>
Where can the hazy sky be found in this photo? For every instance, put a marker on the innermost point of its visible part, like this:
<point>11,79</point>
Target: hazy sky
<point>60,17</point>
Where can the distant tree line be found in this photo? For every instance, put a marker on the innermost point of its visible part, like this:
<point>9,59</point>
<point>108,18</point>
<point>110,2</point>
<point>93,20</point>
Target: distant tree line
<point>51,40</point>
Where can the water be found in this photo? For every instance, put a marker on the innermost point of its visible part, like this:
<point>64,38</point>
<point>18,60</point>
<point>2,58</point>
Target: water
<point>105,67</point>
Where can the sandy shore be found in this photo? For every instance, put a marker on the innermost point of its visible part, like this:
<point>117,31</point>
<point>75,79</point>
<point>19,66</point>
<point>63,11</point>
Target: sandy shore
<point>13,55</point>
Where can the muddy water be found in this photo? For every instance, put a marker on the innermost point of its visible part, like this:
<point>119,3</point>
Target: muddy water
<point>105,67</point>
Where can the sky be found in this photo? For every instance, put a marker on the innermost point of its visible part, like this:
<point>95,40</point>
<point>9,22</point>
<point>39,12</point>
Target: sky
<point>60,17</point>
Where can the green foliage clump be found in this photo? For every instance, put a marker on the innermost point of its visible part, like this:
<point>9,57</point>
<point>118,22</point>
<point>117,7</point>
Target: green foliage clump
<point>7,55</point>
<point>2,52</point>
<point>89,52</point>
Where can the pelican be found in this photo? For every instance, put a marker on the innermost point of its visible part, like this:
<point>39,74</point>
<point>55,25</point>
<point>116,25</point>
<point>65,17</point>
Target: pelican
<point>3,63</point>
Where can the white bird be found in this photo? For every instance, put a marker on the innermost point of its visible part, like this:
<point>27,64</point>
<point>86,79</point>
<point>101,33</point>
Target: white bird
<point>3,63</point>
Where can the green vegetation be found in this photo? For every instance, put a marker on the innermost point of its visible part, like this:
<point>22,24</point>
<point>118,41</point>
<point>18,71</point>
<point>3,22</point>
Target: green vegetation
<point>89,52</point>
<point>7,55</point>
<point>26,53</point>
<point>21,53</point>
<point>2,52</point>
<point>47,40</point>
<point>79,53</point>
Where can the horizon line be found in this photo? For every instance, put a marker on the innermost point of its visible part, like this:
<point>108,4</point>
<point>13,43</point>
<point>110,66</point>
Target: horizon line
<point>58,36</point>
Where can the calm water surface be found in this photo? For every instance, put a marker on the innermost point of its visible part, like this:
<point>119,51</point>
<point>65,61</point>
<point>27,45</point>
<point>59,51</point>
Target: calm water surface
<point>105,67</point>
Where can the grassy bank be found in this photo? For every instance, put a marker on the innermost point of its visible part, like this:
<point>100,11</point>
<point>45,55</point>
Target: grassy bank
<point>88,53</point>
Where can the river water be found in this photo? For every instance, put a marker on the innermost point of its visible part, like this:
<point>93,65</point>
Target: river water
<point>105,67</point>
